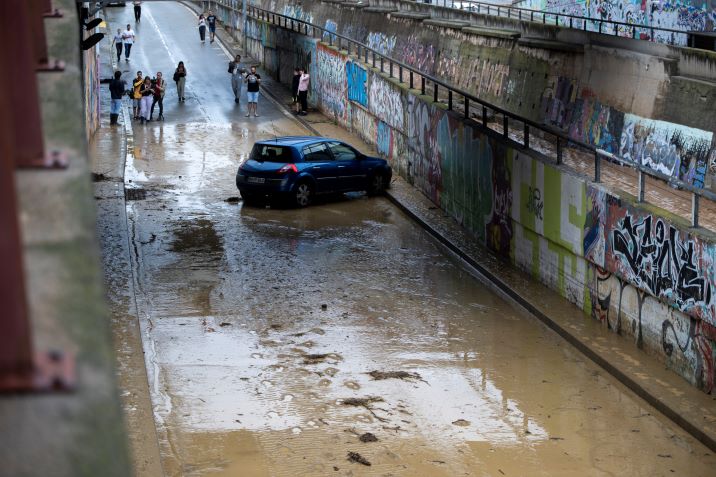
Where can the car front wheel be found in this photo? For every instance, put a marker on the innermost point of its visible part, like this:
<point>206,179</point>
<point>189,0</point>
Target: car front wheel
<point>377,184</point>
<point>303,194</point>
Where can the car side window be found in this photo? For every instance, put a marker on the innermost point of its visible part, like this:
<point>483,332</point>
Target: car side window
<point>316,153</point>
<point>342,152</point>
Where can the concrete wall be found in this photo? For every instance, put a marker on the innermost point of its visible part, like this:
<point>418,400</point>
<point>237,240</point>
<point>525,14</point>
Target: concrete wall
<point>646,102</point>
<point>636,269</point>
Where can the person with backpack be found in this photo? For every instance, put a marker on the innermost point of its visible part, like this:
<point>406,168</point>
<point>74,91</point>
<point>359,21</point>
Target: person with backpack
<point>180,80</point>
<point>237,71</point>
<point>117,88</point>
<point>136,95</point>
<point>159,87</point>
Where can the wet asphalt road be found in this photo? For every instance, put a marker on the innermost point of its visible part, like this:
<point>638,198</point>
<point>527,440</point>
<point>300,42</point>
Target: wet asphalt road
<point>260,326</point>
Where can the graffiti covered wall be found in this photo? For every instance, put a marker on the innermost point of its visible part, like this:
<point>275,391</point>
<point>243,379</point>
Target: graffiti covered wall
<point>640,274</point>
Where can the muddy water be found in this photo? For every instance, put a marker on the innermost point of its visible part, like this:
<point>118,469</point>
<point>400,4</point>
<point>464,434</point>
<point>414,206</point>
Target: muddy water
<point>260,326</point>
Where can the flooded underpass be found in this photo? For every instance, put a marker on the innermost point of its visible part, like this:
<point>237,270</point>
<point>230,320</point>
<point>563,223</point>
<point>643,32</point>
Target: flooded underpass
<point>339,339</point>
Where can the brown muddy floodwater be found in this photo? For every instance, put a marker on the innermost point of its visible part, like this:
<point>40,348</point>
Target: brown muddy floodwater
<point>276,340</point>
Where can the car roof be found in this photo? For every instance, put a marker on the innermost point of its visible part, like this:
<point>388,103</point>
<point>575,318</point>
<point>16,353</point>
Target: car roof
<point>296,140</point>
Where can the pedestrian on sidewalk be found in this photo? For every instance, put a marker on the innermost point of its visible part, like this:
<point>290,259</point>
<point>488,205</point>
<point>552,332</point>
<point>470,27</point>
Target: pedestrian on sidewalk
<point>145,104</point>
<point>117,88</point>
<point>136,94</point>
<point>137,11</point>
<point>202,28</point>
<point>237,71</point>
<point>253,81</point>
<point>294,89</point>
<point>159,87</point>
<point>303,83</point>
<point>117,42</point>
<point>128,40</point>
<point>180,80</point>
<point>211,20</point>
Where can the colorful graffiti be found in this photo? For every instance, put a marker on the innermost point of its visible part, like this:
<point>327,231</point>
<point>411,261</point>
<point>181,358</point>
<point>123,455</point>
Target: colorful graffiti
<point>415,53</point>
<point>380,42</point>
<point>331,81</point>
<point>364,124</point>
<point>658,258</point>
<point>329,28</point>
<point>596,124</point>
<point>357,78</point>
<point>384,140</point>
<point>386,102</point>
<point>669,148</point>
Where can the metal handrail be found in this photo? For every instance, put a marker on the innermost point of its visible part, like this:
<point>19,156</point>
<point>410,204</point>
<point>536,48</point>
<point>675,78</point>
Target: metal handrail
<point>574,21</point>
<point>562,139</point>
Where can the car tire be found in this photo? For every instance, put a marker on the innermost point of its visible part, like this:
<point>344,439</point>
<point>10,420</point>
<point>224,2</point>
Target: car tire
<point>377,184</point>
<point>302,194</point>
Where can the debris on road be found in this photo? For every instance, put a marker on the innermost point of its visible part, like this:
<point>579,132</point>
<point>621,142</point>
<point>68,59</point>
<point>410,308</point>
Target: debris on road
<point>381,375</point>
<point>368,437</point>
<point>232,200</point>
<point>356,457</point>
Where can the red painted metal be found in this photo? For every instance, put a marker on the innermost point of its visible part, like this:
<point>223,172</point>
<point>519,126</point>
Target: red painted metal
<point>37,9</point>
<point>21,369</point>
<point>48,11</point>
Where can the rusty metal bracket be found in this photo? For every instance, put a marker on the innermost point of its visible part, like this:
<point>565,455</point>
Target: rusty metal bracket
<point>51,66</point>
<point>51,160</point>
<point>52,371</point>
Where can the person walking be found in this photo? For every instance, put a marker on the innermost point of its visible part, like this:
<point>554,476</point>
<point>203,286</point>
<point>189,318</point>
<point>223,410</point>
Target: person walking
<point>294,89</point>
<point>303,84</point>
<point>147,93</point>
<point>117,41</point>
<point>128,40</point>
<point>253,81</point>
<point>237,71</point>
<point>136,95</point>
<point>159,87</point>
<point>180,79</point>
<point>137,11</point>
<point>211,21</point>
<point>202,28</point>
<point>117,87</point>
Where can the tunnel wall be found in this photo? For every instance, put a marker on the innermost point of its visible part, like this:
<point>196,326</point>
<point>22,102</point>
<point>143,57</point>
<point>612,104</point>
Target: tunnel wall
<point>636,269</point>
<point>646,102</point>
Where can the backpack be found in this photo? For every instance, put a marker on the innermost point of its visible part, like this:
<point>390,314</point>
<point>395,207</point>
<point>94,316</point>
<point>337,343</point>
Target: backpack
<point>231,67</point>
<point>176,76</point>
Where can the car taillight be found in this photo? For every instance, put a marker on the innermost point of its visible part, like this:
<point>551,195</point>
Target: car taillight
<point>286,168</point>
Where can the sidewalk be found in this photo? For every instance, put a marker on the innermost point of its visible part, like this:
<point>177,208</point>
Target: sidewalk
<point>682,403</point>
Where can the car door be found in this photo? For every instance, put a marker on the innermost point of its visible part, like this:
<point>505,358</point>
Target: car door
<point>350,173</point>
<point>321,166</point>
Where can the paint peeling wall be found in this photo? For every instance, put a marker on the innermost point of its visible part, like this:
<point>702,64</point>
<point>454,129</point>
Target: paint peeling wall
<point>635,270</point>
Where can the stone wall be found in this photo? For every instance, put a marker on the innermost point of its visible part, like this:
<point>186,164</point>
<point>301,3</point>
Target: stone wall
<point>635,268</point>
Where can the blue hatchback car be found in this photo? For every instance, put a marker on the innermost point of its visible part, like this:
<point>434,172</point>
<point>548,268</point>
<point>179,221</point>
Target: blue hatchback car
<point>301,167</point>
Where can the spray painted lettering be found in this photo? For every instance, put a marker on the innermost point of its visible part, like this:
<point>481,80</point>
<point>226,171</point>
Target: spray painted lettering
<point>357,78</point>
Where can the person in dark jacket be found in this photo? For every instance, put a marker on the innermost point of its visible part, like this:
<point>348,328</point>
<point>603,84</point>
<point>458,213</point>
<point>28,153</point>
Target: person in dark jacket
<point>117,88</point>
<point>294,89</point>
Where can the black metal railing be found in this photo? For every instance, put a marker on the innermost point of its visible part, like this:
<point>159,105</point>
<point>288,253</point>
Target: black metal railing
<point>609,27</point>
<point>456,99</point>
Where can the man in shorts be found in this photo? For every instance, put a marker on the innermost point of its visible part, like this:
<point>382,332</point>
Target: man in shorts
<point>253,81</point>
<point>211,20</point>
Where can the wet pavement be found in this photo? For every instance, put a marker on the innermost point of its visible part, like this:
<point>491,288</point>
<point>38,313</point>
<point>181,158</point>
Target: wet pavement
<point>334,340</point>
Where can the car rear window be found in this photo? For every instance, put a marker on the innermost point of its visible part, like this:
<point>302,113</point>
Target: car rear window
<point>271,153</point>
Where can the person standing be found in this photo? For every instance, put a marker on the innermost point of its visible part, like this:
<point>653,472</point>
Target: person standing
<point>128,40</point>
<point>211,20</point>
<point>180,79</point>
<point>147,93</point>
<point>253,81</point>
<point>137,11</point>
<point>294,89</point>
<point>117,87</point>
<point>117,42</point>
<point>202,28</point>
<point>303,84</point>
<point>136,95</point>
<point>237,71</point>
<point>159,87</point>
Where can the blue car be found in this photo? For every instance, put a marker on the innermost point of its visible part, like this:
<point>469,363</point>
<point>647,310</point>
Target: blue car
<point>301,167</point>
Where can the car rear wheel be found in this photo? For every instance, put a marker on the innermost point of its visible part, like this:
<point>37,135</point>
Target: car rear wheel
<point>377,184</point>
<point>249,198</point>
<point>303,194</point>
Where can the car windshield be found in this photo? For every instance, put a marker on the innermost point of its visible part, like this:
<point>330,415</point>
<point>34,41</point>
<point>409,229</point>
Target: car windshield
<point>271,153</point>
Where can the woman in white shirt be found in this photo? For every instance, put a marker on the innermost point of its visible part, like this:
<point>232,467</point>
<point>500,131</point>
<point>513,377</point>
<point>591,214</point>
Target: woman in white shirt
<point>202,28</point>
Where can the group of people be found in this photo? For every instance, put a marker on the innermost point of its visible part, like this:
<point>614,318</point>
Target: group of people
<point>240,76</point>
<point>146,93</point>
<point>124,40</point>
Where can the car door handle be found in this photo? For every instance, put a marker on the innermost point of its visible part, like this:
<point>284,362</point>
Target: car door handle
<point>315,167</point>
<point>341,167</point>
